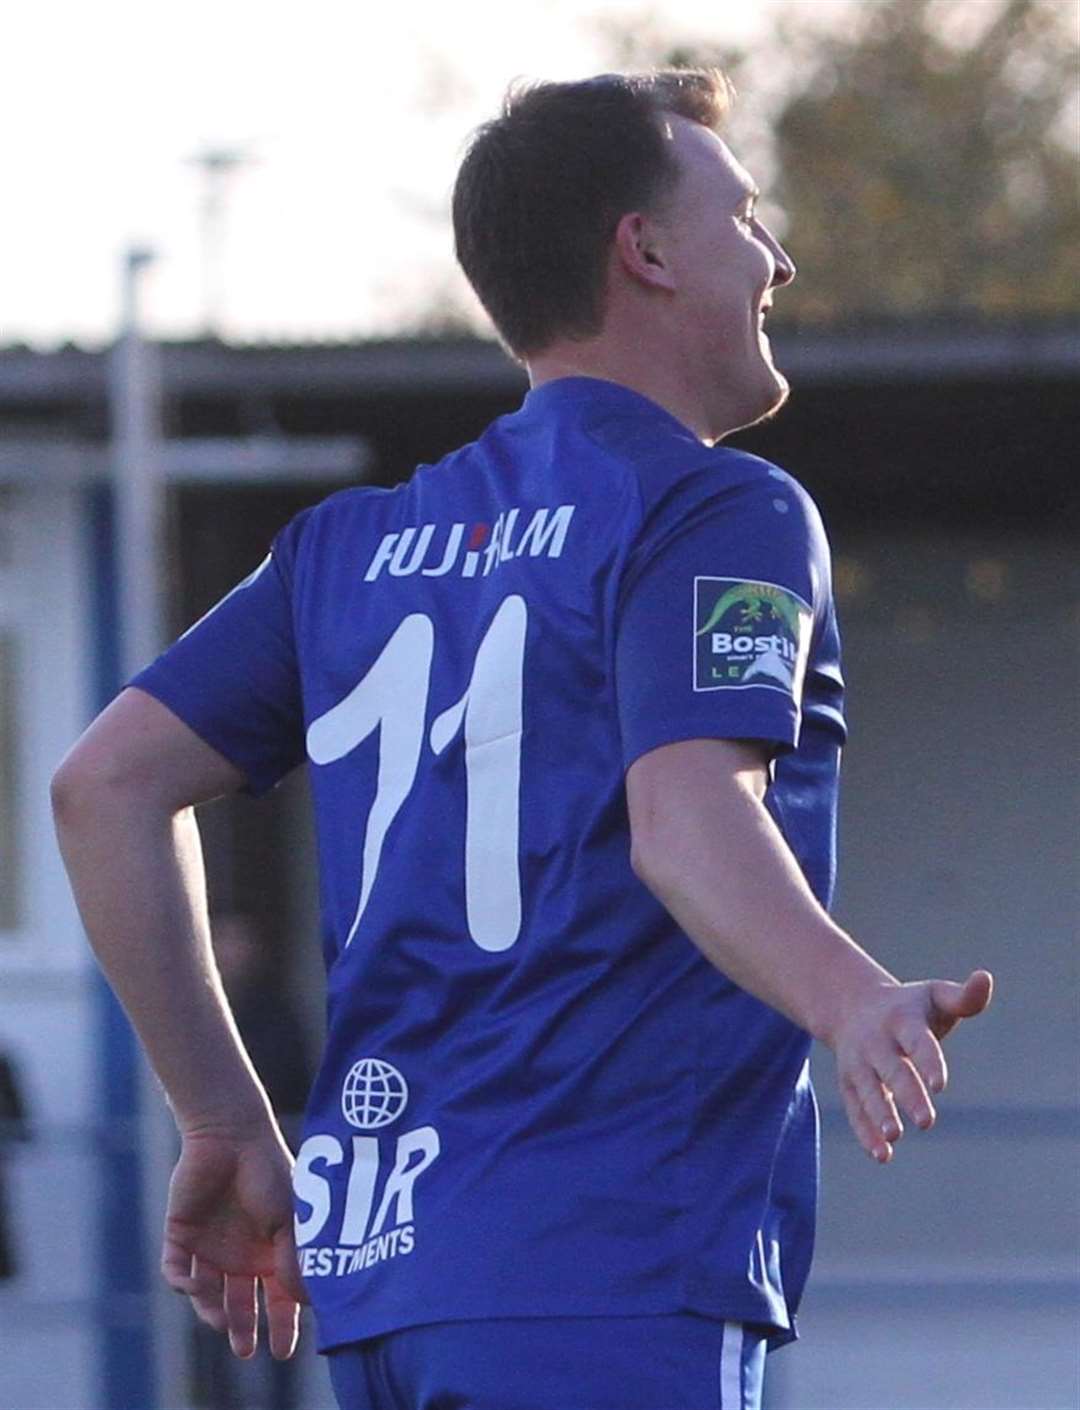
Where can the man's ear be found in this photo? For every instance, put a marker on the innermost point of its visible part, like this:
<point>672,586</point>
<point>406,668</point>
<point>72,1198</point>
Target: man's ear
<point>641,251</point>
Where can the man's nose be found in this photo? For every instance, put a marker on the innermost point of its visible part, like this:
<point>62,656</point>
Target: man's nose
<point>785,269</point>
<point>785,266</point>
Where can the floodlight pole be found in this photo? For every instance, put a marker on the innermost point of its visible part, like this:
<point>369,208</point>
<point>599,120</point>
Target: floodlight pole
<point>138,483</point>
<point>217,165</point>
<point>129,632</point>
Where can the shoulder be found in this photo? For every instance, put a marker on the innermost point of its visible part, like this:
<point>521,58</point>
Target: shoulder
<point>751,474</point>
<point>339,509</point>
<point>333,517</point>
<point>369,506</point>
<point>760,481</point>
<point>734,484</point>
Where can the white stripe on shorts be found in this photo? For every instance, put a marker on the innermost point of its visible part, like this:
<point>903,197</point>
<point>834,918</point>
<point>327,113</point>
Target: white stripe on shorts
<point>731,1382</point>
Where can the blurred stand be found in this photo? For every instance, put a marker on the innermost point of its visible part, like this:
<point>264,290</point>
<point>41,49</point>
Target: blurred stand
<point>13,1130</point>
<point>278,1046</point>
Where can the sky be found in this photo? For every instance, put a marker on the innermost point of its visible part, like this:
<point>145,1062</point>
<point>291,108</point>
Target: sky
<point>351,121</point>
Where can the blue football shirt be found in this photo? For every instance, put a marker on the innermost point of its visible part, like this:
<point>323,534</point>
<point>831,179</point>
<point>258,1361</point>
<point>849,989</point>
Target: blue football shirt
<point>537,1098</point>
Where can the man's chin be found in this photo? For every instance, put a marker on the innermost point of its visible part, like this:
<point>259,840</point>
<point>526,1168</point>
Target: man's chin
<point>763,407</point>
<point>782,390</point>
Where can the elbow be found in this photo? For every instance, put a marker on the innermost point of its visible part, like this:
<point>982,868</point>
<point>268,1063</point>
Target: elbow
<point>67,790</point>
<point>76,795</point>
<point>89,783</point>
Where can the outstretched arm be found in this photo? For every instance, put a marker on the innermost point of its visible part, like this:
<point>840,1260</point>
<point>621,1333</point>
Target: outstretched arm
<point>705,845</point>
<point>123,802</point>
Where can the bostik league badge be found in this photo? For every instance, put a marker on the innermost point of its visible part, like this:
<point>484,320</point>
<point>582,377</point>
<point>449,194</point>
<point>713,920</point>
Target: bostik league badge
<point>749,634</point>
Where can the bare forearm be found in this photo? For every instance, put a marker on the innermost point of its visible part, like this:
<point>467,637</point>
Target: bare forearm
<point>706,846</point>
<point>137,875</point>
<point>727,876</point>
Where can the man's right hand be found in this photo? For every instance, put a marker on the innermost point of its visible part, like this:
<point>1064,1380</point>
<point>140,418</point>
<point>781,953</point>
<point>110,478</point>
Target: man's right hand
<point>228,1228</point>
<point>888,1054</point>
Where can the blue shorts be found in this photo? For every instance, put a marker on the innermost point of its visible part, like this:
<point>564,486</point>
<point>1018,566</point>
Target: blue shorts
<point>546,1363</point>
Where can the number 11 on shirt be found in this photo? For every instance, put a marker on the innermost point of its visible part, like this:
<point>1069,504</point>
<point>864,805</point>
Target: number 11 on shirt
<point>392,698</point>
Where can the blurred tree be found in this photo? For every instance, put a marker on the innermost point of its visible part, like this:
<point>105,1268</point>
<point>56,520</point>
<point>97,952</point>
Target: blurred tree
<point>923,153</point>
<point>926,170</point>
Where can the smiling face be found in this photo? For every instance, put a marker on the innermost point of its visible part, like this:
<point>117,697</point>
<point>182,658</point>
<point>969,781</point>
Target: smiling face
<point>726,266</point>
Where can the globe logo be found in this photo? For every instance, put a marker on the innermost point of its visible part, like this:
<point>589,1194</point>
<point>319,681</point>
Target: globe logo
<point>374,1094</point>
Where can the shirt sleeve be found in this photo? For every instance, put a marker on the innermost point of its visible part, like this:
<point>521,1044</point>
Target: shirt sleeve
<point>717,613</point>
<point>234,677</point>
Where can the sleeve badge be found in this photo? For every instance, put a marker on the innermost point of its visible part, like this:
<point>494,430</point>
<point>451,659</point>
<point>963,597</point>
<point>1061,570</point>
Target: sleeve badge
<point>750,634</point>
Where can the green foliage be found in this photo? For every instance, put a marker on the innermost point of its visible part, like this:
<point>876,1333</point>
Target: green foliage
<point>922,174</point>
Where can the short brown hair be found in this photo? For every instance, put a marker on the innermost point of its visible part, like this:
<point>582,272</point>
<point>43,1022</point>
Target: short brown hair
<point>544,185</point>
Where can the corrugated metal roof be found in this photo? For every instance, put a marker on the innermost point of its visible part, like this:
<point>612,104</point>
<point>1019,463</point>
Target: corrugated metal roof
<point>876,353</point>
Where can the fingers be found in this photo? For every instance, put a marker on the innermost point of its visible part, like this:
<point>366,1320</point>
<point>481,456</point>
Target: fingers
<point>241,1314</point>
<point>950,1002</point>
<point>198,1281</point>
<point>287,1266</point>
<point>978,991</point>
<point>282,1319</point>
<point>283,1294</point>
<point>176,1267</point>
<point>918,1037</point>
<point>886,1083</point>
<point>207,1294</point>
<point>282,1316</point>
<point>905,1082</point>
<point>229,1304</point>
<point>867,1131</point>
<point>890,1060</point>
<point>877,1102</point>
<point>926,1056</point>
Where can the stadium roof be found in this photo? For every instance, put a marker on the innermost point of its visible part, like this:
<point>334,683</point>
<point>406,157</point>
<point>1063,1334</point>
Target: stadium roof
<point>937,422</point>
<point>913,352</point>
